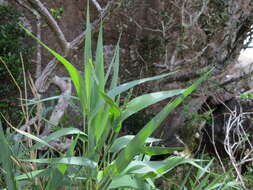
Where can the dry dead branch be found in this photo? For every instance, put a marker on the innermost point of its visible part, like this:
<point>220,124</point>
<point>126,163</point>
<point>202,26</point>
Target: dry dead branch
<point>237,142</point>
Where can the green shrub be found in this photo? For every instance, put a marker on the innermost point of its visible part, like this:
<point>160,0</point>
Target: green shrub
<point>11,39</point>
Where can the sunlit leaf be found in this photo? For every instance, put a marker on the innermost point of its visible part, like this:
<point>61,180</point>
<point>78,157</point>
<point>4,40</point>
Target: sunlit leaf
<point>123,141</point>
<point>146,100</point>
<point>79,161</point>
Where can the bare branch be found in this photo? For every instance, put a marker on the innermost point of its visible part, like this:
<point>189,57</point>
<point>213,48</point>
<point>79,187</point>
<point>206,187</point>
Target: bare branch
<point>193,18</point>
<point>236,141</point>
<point>42,82</point>
<point>61,106</point>
<point>97,5</point>
<point>52,23</point>
<point>38,34</point>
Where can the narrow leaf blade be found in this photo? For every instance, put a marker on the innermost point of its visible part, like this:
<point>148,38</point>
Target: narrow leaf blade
<point>146,100</point>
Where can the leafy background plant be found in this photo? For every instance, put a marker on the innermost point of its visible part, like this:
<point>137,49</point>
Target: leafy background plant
<point>11,48</point>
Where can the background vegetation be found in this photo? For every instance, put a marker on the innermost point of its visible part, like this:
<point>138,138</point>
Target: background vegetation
<point>11,49</point>
<point>58,138</point>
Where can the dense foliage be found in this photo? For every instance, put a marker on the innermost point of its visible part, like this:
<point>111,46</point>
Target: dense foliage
<point>11,49</point>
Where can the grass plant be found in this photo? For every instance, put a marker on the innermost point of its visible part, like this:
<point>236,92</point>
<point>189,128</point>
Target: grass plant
<point>107,160</point>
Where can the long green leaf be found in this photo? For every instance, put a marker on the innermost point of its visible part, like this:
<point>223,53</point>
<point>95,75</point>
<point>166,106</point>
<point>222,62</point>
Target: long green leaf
<point>70,152</point>
<point>100,121</point>
<point>115,76</point>
<point>88,84</point>
<point>123,141</point>
<point>134,147</point>
<point>32,102</point>
<point>73,72</point>
<point>113,107</point>
<point>99,67</point>
<point>28,135</point>
<point>60,133</point>
<point>55,179</point>
<point>98,72</point>
<point>203,183</point>
<point>29,175</point>
<point>6,162</point>
<point>112,64</point>
<point>152,151</point>
<point>146,100</point>
<point>155,169</point>
<point>126,86</point>
<point>88,62</point>
<point>79,161</point>
<point>127,181</point>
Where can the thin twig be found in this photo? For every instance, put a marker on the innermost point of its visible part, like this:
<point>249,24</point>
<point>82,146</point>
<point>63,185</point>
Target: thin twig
<point>97,5</point>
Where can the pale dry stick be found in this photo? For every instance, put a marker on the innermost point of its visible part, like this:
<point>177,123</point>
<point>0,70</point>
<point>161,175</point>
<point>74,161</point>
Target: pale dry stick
<point>38,34</point>
<point>214,144</point>
<point>190,75</point>
<point>166,49</point>
<point>172,58</point>
<point>62,104</point>
<point>242,140</point>
<point>37,119</point>
<point>193,18</point>
<point>230,148</point>
<point>97,5</point>
<point>33,154</point>
<point>244,143</point>
<point>204,6</point>
<point>26,113</point>
<point>39,105</point>
<point>250,152</point>
<point>183,11</point>
<point>198,54</point>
